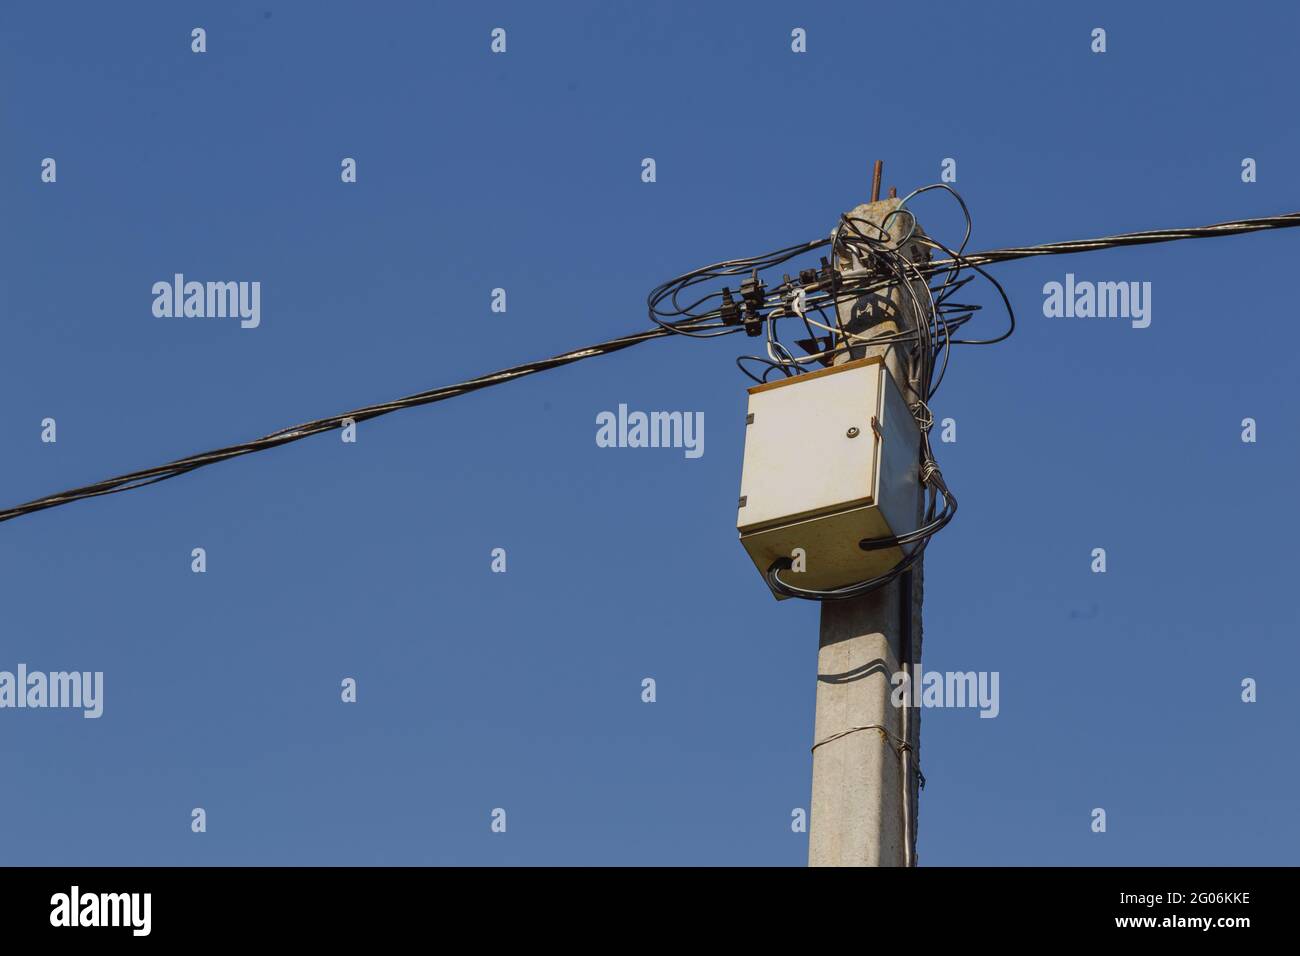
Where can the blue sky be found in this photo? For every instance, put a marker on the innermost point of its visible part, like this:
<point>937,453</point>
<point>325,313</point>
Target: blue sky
<point>522,690</point>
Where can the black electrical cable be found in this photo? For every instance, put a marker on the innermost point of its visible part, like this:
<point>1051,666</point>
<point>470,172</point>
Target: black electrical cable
<point>689,323</point>
<point>284,436</point>
<point>888,262</point>
<point>865,258</point>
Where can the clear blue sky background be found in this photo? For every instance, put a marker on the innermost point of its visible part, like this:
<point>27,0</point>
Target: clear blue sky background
<point>522,690</point>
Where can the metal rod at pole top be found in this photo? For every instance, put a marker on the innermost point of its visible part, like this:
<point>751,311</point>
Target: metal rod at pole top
<point>876,173</point>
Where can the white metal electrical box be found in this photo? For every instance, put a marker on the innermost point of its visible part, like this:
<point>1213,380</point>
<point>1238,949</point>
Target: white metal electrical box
<point>831,459</point>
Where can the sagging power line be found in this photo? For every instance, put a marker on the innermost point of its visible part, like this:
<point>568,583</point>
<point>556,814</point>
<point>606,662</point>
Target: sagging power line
<point>706,322</point>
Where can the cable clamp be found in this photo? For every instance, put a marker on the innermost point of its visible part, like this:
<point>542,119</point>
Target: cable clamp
<point>798,301</point>
<point>730,311</point>
<point>924,417</point>
<point>753,293</point>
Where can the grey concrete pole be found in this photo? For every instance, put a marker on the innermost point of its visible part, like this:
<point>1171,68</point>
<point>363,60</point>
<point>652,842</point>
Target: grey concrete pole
<point>865,749</point>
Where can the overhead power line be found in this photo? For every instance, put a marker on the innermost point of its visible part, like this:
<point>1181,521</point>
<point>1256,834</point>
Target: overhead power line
<point>284,436</point>
<point>1234,228</point>
<point>149,476</point>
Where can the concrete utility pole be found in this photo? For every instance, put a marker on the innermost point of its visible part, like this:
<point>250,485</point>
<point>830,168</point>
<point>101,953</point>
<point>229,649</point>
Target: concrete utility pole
<point>865,751</point>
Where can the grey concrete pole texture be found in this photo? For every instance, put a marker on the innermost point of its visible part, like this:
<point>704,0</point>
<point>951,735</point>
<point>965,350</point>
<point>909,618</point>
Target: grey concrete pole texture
<point>865,750</point>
